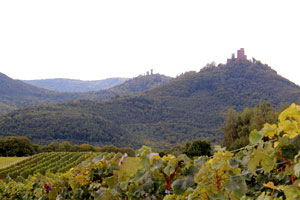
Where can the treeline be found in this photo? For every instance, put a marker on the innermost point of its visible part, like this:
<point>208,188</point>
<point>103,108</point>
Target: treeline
<point>191,149</point>
<point>239,125</point>
<point>22,146</point>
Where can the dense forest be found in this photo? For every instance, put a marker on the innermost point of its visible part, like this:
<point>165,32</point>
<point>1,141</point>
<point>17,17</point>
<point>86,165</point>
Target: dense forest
<point>192,106</point>
<point>135,85</point>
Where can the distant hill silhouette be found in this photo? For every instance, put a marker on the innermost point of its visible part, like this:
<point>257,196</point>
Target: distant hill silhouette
<point>194,105</point>
<point>72,85</point>
<point>16,94</point>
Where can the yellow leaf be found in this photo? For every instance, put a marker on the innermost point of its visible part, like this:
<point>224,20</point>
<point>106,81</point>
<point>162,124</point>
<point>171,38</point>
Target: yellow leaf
<point>168,157</point>
<point>154,157</point>
<point>292,112</point>
<point>271,185</point>
<point>270,130</point>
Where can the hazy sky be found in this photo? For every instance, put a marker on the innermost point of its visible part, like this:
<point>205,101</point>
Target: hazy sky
<point>99,39</point>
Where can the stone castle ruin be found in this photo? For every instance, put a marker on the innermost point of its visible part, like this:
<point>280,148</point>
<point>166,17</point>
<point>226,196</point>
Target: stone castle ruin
<point>240,56</point>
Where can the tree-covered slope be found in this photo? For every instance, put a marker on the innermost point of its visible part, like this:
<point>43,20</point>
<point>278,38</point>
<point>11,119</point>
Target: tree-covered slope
<point>114,86</point>
<point>72,85</point>
<point>191,106</point>
<point>46,123</point>
<point>16,94</point>
<point>134,85</point>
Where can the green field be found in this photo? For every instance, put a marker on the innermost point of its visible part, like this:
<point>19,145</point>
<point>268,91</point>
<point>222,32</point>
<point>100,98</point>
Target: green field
<point>7,161</point>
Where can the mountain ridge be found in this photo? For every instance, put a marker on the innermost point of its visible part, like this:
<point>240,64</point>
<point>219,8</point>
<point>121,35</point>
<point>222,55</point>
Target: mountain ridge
<point>192,106</point>
<point>74,85</point>
<point>16,94</point>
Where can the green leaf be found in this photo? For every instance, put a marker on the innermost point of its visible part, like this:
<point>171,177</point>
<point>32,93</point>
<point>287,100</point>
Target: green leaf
<point>264,196</point>
<point>144,151</point>
<point>252,164</point>
<point>181,185</point>
<point>145,162</point>
<point>111,181</point>
<point>238,186</point>
<point>217,196</point>
<point>200,161</point>
<point>123,185</point>
<point>157,164</point>
<point>190,171</point>
<point>268,164</point>
<point>255,137</point>
<point>297,169</point>
<point>103,194</point>
<point>170,168</point>
<point>148,185</point>
<point>233,163</point>
<point>292,191</point>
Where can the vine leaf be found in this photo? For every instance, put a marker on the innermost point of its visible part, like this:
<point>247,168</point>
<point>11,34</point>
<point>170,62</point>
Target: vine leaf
<point>255,137</point>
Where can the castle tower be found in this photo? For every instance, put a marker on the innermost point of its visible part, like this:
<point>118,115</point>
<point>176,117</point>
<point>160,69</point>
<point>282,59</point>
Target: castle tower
<point>241,54</point>
<point>231,59</point>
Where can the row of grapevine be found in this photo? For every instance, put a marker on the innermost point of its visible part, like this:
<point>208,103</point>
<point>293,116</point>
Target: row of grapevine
<point>43,162</point>
<point>262,170</point>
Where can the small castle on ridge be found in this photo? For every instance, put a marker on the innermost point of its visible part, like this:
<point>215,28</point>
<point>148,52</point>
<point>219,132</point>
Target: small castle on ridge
<point>151,72</point>
<point>240,56</point>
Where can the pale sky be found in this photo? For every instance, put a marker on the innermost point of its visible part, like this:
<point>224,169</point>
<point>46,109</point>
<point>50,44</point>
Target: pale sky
<point>92,40</point>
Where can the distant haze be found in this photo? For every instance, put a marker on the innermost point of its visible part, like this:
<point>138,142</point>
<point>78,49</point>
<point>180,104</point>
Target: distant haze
<point>93,40</point>
<point>71,85</point>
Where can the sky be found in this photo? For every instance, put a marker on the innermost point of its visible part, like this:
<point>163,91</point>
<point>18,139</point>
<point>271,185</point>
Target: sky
<point>92,40</point>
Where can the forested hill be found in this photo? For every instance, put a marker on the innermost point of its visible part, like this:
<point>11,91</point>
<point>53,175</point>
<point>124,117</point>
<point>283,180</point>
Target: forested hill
<point>237,84</point>
<point>72,85</point>
<point>16,94</point>
<point>191,106</point>
<point>134,85</point>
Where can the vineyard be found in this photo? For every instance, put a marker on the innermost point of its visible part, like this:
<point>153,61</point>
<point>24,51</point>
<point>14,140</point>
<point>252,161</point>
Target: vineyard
<point>55,162</point>
<point>268,168</point>
<point>7,161</point>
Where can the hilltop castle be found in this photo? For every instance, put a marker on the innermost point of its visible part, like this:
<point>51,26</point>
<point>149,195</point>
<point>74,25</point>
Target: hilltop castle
<point>240,56</point>
<point>151,72</point>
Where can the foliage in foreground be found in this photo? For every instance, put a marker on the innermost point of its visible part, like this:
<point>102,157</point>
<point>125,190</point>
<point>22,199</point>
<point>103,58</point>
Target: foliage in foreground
<point>262,170</point>
<point>239,125</point>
